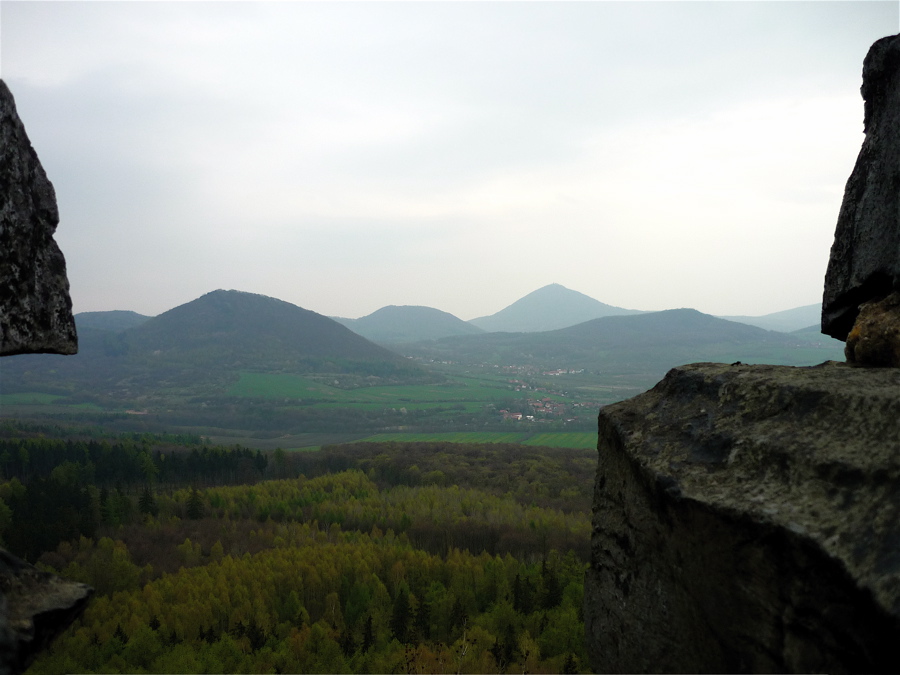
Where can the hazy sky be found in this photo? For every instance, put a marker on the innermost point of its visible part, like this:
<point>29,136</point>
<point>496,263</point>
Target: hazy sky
<point>347,156</point>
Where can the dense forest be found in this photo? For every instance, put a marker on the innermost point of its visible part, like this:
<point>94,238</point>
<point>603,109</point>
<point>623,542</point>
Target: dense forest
<point>419,557</point>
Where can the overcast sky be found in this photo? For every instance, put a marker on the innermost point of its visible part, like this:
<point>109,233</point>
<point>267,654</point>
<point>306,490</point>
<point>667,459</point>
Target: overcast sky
<point>348,156</point>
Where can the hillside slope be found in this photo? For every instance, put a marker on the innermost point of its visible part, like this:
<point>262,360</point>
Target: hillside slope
<point>548,308</point>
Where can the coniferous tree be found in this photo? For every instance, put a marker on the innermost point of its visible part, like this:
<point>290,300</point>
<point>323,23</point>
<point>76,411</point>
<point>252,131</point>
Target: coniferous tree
<point>422,621</point>
<point>458,615</point>
<point>552,589</point>
<point>368,635</point>
<point>195,505</point>
<point>256,635</point>
<point>348,644</point>
<point>401,615</point>
<point>523,595</point>
<point>146,503</point>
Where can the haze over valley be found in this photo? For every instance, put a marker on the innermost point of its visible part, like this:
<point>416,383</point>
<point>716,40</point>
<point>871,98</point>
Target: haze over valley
<point>256,368</point>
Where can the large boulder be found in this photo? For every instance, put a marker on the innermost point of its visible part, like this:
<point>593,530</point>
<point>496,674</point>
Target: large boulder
<point>35,308</point>
<point>747,519</point>
<point>865,256</point>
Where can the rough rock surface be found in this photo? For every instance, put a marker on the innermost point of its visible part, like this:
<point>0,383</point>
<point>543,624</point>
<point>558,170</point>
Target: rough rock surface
<point>35,308</point>
<point>38,606</point>
<point>35,316</point>
<point>747,518</point>
<point>865,256</point>
<point>875,338</point>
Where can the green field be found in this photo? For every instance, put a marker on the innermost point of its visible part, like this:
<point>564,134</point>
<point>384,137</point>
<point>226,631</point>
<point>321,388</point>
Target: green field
<point>551,439</point>
<point>575,439</point>
<point>455,390</point>
<point>28,399</point>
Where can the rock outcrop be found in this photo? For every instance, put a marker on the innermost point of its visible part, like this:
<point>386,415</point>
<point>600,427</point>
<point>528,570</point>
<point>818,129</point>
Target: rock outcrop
<point>747,519</point>
<point>36,607</point>
<point>35,308</point>
<point>865,256</point>
<point>35,317</point>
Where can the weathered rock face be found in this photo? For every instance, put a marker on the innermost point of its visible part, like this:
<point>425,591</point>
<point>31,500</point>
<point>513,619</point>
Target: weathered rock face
<point>35,316</point>
<point>865,256</point>
<point>35,308</point>
<point>747,518</point>
<point>37,607</point>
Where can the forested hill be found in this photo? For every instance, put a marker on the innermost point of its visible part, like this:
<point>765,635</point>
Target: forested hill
<point>116,320</point>
<point>408,323</point>
<point>240,326</point>
<point>209,341</point>
<point>548,308</point>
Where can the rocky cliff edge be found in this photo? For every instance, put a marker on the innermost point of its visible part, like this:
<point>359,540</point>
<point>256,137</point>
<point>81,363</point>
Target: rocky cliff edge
<point>746,519</point>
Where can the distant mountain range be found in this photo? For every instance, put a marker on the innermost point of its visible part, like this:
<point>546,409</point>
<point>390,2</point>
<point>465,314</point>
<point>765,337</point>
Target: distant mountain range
<point>644,345</point>
<point>787,321</point>
<point>195,364</point>
<point>548,308</point>
<point>205,344</point>
<point>408,323</point>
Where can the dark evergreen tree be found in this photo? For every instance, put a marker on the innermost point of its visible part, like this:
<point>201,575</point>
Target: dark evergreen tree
<point>256,635</point>
<point>552,595</point>
<point>195,505</point>
<point>401,615</point>
<point>348,644</point>
<point>458,615</point>
<point>368,635</point>
<point>146,503</point>
<point>120,634</point>
<point>422,621</point>
<point>523,595</point>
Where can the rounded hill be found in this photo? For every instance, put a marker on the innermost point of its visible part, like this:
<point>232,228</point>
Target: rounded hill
<point>409,323</point>
<point>246,326</point>
<point>548,308</point>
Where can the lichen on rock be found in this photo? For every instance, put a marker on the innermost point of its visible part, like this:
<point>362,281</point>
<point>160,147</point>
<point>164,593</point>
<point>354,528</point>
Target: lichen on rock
<point>875,338</point>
